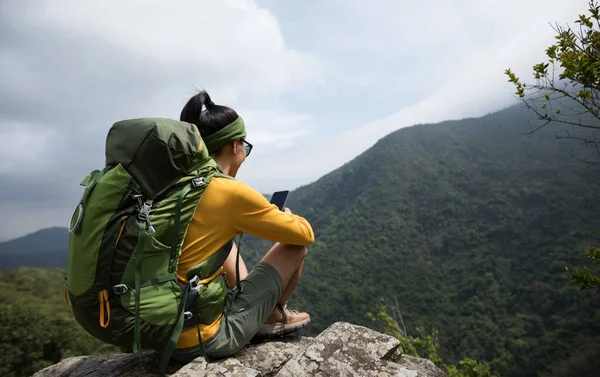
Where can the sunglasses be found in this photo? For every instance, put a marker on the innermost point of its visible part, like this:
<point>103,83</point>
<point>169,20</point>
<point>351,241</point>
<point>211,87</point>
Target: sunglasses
<point>248,147</point>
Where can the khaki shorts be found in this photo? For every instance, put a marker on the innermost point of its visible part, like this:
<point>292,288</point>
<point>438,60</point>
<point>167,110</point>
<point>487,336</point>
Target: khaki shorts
<point>245,312</point>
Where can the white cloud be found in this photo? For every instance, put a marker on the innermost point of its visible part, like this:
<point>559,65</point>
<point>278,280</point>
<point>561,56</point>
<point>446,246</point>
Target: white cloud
<point>236,42</point>
<point>112,59</point>
<point>25,149</point>
<point>477,84</point>
<point>271,129</point>
<point>70,69</point>
<point>470,42</point>
<point>396,45</point>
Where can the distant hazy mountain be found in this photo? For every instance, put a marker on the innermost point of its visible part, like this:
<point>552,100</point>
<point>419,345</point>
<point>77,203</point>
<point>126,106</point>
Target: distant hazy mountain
<point>44,248</point>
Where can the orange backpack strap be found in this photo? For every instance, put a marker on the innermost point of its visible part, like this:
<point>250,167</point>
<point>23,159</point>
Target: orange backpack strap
<point>104,303</point>
<point>67,297</point>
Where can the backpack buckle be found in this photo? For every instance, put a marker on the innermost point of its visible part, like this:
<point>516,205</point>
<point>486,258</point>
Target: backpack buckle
<point>119,289</point>
<point>187,316</point>
<point>195,283</point>
<point>144,212</point>
<point>197,182</point>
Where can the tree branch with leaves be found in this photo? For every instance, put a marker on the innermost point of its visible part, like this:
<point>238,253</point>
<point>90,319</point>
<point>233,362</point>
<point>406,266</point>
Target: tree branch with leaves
<point>566,88</point>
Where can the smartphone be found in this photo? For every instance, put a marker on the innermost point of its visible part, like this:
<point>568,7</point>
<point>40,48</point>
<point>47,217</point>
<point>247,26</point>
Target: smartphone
<point>279,199</point>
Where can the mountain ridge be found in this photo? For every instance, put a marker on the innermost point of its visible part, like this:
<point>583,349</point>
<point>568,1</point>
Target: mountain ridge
<point>45,239</point>
<point>46,247</point>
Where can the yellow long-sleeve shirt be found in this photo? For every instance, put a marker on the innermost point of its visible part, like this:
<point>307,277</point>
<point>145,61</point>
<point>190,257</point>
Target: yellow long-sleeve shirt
<point>227,208</point>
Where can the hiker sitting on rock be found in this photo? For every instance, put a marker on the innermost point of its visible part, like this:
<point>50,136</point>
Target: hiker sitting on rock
<point>257,305</point>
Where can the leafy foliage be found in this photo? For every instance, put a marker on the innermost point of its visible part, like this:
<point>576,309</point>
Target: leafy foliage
<point>572,98</point>
<point>576,55</point>
<point>586,278</point>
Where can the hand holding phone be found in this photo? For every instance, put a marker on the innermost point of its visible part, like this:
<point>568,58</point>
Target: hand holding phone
<point>279,198</point>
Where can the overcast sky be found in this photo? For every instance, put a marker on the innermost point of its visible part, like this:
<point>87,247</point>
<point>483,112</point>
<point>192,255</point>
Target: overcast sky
<point>317,81</point>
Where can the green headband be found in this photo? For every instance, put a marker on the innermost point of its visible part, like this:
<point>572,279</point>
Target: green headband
<point>227,135</point>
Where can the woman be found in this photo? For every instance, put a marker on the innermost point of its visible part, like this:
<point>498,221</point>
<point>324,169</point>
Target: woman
<point>228,208</point>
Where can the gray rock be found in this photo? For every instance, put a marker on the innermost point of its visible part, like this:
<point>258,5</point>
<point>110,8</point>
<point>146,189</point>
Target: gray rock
<point>418,363</point>
<point>228,367</point>
<point>253,360</point>
<point>348,350</point>
<point>113,365</point>
<point>341,350</point>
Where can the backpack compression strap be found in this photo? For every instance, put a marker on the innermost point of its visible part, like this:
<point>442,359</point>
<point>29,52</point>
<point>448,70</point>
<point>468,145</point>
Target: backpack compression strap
<point>143,220</point>
<point>170,347</point>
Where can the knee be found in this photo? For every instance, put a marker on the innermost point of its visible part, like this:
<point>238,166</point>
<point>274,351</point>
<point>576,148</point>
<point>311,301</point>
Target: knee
<point>302,252</point>
<point>299,251</point>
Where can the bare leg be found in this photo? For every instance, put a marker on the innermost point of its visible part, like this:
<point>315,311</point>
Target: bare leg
<point>287,260</point>
<point>291,285</point>
<point>229,267</point>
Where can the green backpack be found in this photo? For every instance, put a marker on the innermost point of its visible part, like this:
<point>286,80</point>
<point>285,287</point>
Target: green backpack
<point>126,236</point>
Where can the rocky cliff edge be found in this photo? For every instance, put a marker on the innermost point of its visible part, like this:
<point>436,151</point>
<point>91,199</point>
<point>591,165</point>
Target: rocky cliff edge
<point>343,349</point>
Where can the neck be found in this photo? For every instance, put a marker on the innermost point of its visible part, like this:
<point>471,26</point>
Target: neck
<point>225,165</point>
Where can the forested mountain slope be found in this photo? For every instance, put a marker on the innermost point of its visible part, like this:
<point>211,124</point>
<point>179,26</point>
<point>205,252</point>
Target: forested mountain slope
<point>470,227</point>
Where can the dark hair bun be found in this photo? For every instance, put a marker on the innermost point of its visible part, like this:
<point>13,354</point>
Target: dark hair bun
<point>206,115</point>
<point>204,100</point>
